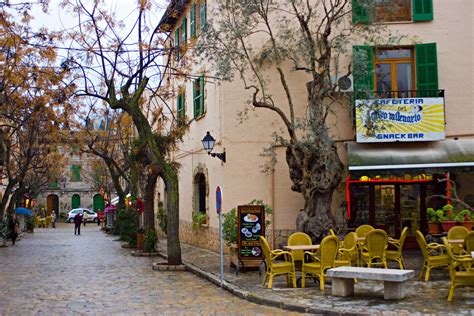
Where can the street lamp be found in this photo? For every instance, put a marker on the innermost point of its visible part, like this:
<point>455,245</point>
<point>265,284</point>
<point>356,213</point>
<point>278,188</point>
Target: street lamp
<point>208,143</point>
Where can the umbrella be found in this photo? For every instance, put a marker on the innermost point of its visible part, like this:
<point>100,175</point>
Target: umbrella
<point>24,211</point>
<point>110,208</point>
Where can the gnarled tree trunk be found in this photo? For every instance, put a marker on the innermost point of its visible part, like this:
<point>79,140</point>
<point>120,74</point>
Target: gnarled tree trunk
<point>315,168</point>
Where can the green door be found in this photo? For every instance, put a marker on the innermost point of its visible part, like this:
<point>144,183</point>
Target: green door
<point>98,203</point>
<point>76,201</point>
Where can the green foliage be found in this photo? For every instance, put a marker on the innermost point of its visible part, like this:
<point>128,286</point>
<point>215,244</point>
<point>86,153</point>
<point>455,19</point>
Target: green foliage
<point>126,225</point>
<point>162,218</point>
<point>229,224</point>
<point>150,240</point>
<point>30,223</point>
<point>229,227</point>
<point>435,216</point>
<point>447,213</point>
<point>199,219</point>
<point>3,229</point>
<point>463,216</point>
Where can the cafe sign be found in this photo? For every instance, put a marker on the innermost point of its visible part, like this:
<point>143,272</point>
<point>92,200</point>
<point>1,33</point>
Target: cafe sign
<point>251,225</point>
<point>400,120</point>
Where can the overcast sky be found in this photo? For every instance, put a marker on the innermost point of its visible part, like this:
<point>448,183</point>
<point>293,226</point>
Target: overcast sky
<point>58,19</point>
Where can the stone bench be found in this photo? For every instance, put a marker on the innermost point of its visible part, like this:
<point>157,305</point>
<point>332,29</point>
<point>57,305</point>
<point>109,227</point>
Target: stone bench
<point>394,279</point>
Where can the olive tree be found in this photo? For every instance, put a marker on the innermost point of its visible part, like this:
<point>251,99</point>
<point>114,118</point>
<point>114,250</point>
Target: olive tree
<point>255,40</point>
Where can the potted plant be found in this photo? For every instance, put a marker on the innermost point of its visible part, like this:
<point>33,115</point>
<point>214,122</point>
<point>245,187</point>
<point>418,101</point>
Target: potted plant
<point>229,234</point>
<point>140,237</point>
<point>30,224</point>
<point>434,221</point>
<point>150,240</point>
<point>464,218</point>
<point>449,219</point>
<point>199,220</point>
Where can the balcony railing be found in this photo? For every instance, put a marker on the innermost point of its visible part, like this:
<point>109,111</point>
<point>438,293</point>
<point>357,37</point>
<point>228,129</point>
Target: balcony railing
<point>409,94</point>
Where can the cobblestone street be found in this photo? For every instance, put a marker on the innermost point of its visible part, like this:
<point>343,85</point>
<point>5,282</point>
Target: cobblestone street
<point>53,272</point>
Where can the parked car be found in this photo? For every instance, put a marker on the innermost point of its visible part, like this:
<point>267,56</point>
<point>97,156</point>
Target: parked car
<point>73,212</point>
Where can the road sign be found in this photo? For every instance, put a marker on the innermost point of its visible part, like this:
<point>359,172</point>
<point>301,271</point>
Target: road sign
<point>218,200</point>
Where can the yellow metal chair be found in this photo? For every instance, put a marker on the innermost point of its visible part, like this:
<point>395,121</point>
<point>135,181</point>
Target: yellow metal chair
<point>48,220</point>
<point>375,248</point>
<point>37,221</point>
<point>461,277</point>
<point>274,267</point>
<point>434,255</point>
<point>348,254</point>
<point>458,232</point>
<point>469,242</point>
<point>396,255</point>
<point>363,230</point>
<point>316,264</point>
<point>297,239</point>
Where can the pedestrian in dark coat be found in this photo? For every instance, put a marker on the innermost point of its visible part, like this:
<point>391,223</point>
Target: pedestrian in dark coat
<point>13,227</point>
<point>77,224</point>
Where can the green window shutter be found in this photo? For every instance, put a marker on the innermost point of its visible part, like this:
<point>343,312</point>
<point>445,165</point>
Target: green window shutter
<point>53,185</point>
<point>426,65</point>
<point>201,92</point>
<point>176,42</point>
<point>196,98</point>
<point>360,13</point>
<point>75,173</point>
<point>363,61</point>
<point>184,31</point>
<point>192,22</point>
<point>422,10</point>
<point>180,108</point>
<point>202,14</point>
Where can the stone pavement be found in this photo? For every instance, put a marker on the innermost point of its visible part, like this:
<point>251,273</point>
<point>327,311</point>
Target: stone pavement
<point>423,298</point>
<point>53,272</point>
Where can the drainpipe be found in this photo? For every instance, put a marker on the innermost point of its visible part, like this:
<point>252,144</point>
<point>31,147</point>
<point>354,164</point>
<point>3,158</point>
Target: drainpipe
<point>272,194</point>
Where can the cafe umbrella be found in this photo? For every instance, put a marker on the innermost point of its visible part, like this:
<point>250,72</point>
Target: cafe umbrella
<point>23,211</point>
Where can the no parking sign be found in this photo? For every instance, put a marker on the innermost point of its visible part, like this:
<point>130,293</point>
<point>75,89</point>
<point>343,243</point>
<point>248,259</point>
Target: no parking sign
<point>219,212</point>
<point>218,200</point>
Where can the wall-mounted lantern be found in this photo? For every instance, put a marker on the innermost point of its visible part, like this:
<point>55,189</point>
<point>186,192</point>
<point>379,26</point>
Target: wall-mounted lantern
<point>208,143</point>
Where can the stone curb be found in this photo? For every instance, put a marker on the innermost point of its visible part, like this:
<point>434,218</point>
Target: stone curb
<point>254,298</point>
<point>140,253</point>
<point>161,267</point>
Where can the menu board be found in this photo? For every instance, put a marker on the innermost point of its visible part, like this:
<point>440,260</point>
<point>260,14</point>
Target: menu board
<point>251,225</point>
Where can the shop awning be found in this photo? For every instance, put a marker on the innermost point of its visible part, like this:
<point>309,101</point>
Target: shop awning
<point>411,158</point>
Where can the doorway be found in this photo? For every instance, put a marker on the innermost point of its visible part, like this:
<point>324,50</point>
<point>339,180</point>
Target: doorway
<point>75,201</point>
<point>390,206</point>
<point>98,203</point>
<point>52,204</point>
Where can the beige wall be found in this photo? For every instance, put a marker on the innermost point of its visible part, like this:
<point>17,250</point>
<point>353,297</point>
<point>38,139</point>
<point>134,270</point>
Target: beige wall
<point>241,178</point>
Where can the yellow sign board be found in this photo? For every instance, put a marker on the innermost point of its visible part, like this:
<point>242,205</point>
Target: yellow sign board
<point>400,120</point>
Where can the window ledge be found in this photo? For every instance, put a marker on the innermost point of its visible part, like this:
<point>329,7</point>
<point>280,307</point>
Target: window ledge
<point>200,117</point>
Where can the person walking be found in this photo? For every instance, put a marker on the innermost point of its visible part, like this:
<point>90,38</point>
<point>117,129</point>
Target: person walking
<point>85,217</point>
<point>53,218</point>
<point>13,226</point>
<point>77,224</point>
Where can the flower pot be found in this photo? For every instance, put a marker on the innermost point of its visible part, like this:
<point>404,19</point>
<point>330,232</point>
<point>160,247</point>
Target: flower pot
<point>434,228</point>
<point>140,237</point>
<point>447,225</point>
<point>467,224</point>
